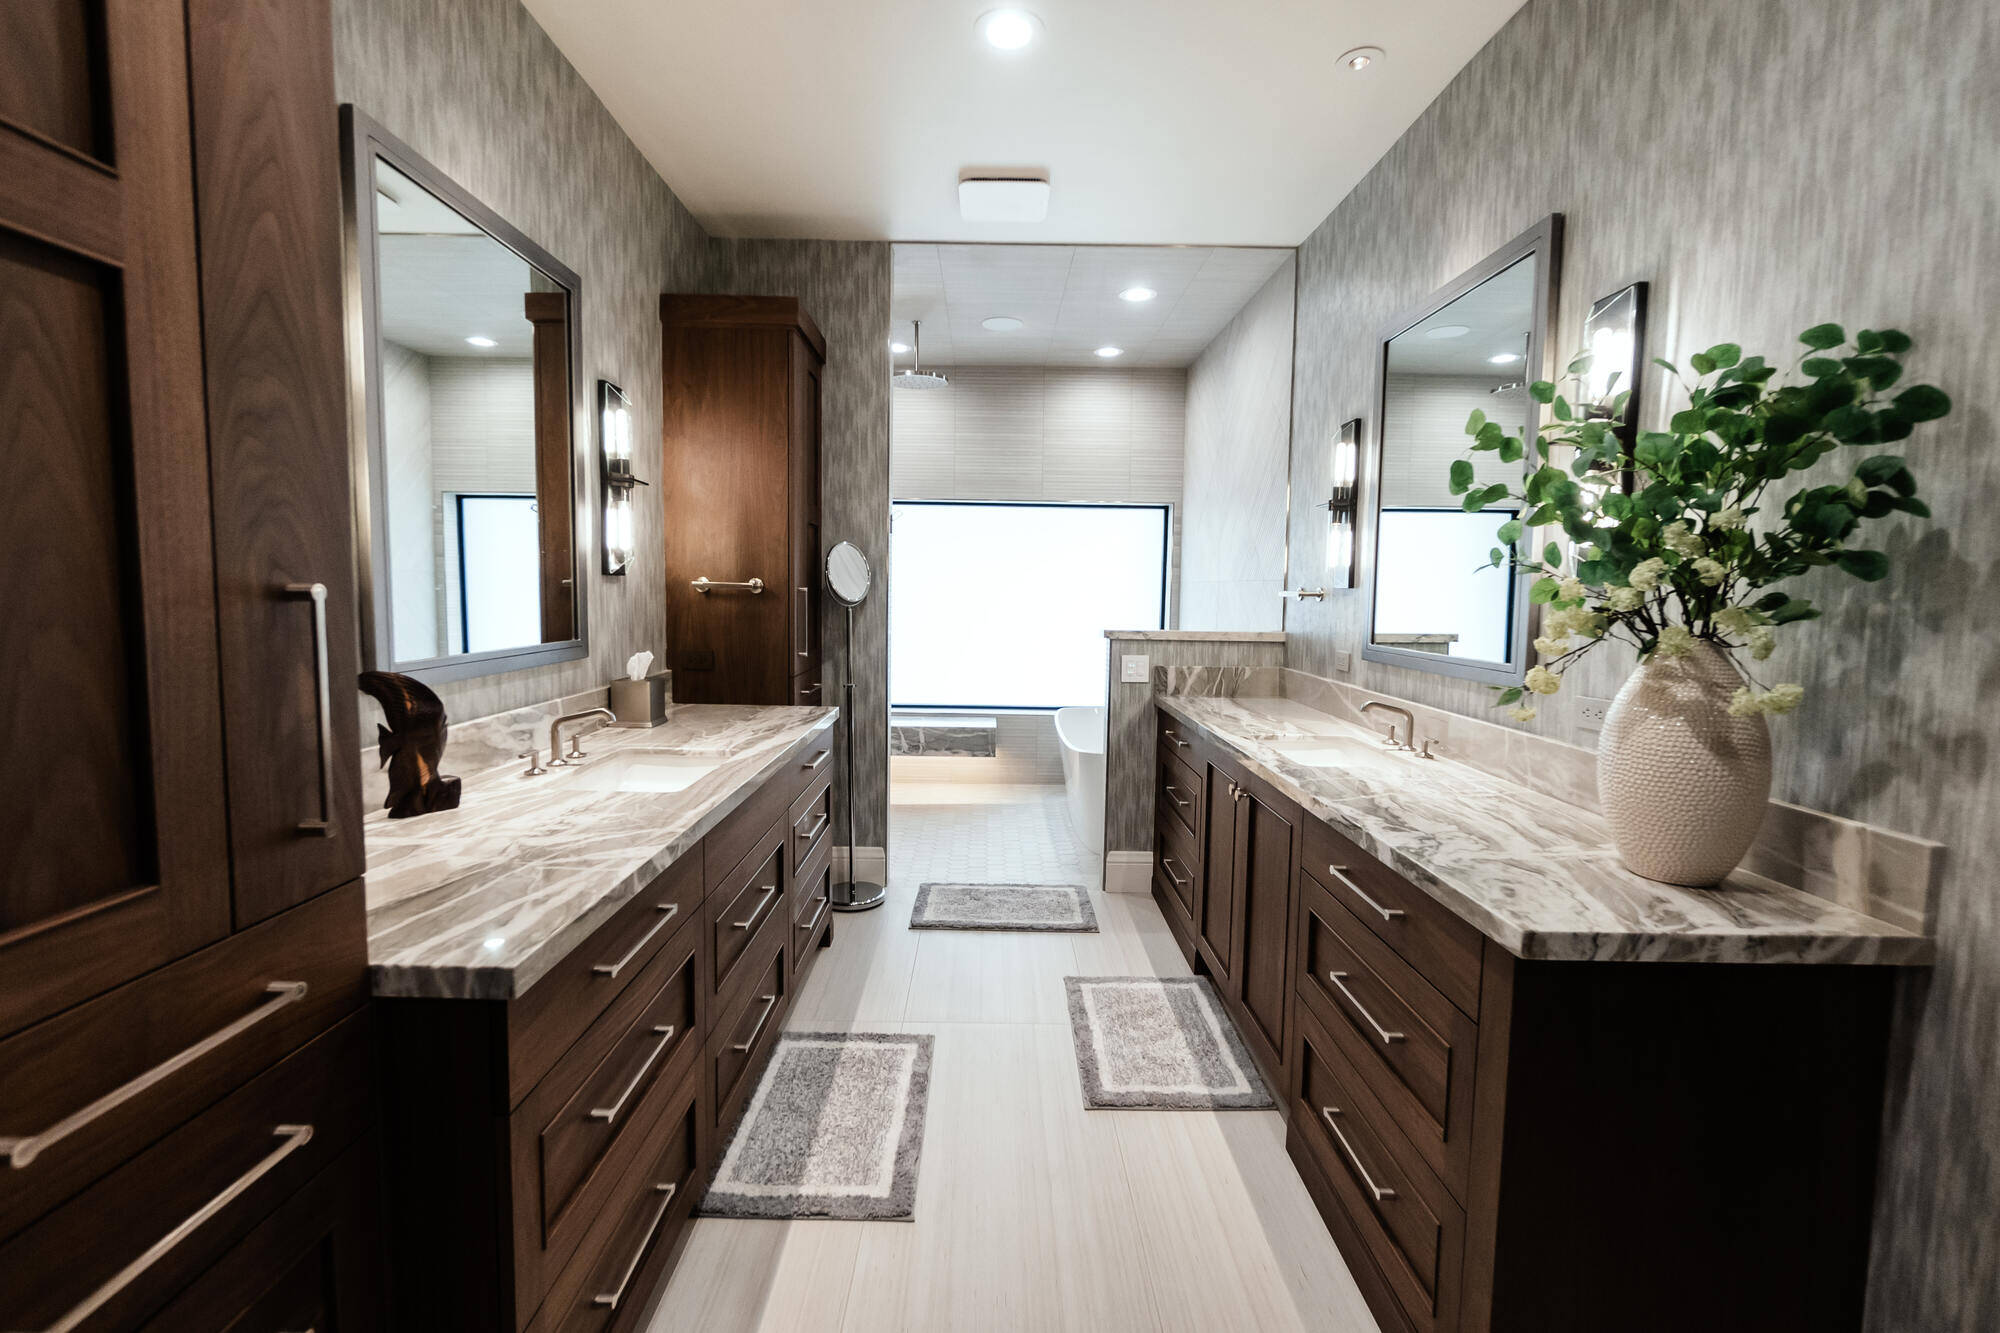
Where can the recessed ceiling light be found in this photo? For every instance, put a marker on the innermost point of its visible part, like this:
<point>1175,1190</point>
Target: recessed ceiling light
<point>1361,57</point>
<point>477,341</point>
<point>1108,352</point>
<point>1000,324</point>
<point>1137,294</point>
<point>1008,29</point>
<point>1447,331</point>
<point>1504,358</point>
<point>899,348</point>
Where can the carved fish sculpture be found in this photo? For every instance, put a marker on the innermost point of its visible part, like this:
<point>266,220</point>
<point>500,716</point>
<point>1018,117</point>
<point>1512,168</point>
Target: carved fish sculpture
<point>412,744</point>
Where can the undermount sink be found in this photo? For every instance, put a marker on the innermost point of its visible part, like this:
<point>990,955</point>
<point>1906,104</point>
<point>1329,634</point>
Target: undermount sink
<point>1316,754</point>
<point>649,770</point>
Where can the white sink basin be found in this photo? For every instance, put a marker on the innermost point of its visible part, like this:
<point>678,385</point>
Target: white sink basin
<point>1314,755</point>
<point>648,770</point>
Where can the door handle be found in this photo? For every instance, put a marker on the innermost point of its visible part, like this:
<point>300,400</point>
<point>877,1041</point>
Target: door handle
<point>706,585</point>
<point>323,698</point>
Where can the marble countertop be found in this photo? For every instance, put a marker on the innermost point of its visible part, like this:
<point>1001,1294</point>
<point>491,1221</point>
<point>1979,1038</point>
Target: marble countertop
<point>1199,635</point>
<point>1537,876</point>
<point>480,902</point>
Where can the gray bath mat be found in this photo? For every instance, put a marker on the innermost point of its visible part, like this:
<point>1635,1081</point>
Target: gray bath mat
<point>1003,907</point>
<point>835,1129</point>
<point>1161,1043</point>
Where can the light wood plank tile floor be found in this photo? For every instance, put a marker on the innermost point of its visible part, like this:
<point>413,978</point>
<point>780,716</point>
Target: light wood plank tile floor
<point>1032,1213</point>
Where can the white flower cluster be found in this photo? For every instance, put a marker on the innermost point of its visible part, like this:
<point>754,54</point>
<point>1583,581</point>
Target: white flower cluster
<point>1562,621</point>
<point>1625,599</point>
<point>1541,680</point>
<point>1677,538</point>
<point>1728,520</point>
<point>1521,714</point>
<point>1747,702</point>
<point>1750,626</point>
<point>1710,571</point>
<point>1646,575</point>
<point>1674,641</point>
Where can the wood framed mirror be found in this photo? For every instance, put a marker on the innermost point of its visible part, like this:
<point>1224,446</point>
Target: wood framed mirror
<point>1437,603</point>
<point>469,420</point>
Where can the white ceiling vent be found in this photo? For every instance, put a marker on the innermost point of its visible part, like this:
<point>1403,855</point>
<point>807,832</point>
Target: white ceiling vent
<point>1003,198</point>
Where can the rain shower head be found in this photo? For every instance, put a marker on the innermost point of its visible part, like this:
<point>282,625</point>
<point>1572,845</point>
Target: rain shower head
<point>913,378</point>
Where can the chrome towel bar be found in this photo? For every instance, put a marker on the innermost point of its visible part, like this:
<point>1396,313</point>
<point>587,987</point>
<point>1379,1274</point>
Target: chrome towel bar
<point>706,585</point>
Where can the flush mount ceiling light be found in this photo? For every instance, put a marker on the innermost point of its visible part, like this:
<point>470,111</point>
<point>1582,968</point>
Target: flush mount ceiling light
<point>1008,29</point>
<point>1003,198</point>
<point>1447,331</point>
<point>477,341</point>
<point>1504,358</point>
<point>1137,294</point>
<point>1108,352</point>
<point>1360,58</point>
<point>1000,324</point>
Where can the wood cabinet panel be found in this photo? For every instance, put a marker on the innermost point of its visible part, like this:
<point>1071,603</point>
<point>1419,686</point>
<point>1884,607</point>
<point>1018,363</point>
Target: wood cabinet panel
<point>741,915</point>
<point>1215,911</point>
<point>1269,861</point>
<point>1441,947</point>
<point>742,1038</point>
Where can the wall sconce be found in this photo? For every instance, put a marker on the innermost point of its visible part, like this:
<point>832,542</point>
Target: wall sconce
<point>1342,534</point>
<point>614,442</point>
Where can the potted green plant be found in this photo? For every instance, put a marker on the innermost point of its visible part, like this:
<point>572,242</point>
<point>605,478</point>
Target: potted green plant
<point>1676,547</point>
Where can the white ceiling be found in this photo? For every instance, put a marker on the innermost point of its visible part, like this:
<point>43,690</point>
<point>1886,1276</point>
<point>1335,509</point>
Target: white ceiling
<point>1067,299</point>
<point>1496,315</point>
<point>1159,121</point>
<point>443,280</point>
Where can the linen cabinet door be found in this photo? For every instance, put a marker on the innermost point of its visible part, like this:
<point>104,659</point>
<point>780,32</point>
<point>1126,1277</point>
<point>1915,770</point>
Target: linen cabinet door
<point>113,851</point>
<point>1215,905</point>
<point>1269,860</point>
<point>267,157</point>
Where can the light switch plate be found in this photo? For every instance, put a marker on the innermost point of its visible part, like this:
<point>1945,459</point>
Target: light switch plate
<point>1343,661</point>
<point>1135,668</point>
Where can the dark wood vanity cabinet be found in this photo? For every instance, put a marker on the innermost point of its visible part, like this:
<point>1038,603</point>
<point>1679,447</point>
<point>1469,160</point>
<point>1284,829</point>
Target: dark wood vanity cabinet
<point>740,483</point>
<point>546,1152</point>
<point>188,1064</point>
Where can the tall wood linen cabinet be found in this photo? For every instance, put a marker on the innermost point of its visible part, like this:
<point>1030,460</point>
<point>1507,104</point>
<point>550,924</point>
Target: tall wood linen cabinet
<point>740,485</point>
<point>186,1090</point>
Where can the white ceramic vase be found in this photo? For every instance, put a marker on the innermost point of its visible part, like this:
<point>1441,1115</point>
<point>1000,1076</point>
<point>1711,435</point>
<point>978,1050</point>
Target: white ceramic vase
<point>1683,784</point>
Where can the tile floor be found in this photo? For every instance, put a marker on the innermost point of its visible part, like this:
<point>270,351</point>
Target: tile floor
<point>1032,1213</point>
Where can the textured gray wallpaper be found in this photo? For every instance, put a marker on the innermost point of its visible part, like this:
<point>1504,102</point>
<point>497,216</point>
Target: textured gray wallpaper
<point>478,88</point>
<point>1765,166</point>
<point>845,286</point>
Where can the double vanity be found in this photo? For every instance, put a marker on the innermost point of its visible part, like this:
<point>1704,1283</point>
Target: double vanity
<point>1523,1083</point>
<point>580,976</point>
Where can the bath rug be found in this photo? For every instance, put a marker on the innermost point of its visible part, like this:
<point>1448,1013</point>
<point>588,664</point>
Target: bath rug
<point>1003,907</point>
<point>1159,1043</point>
<point>835,1129</point>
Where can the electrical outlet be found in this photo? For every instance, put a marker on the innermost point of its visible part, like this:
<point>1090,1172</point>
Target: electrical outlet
<point>1343,661</point>
<point>1135,668</point>
<point>1590,712</point>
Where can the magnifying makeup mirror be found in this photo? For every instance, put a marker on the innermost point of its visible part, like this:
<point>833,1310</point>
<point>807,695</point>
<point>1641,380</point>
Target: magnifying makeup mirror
<point>848,578</point>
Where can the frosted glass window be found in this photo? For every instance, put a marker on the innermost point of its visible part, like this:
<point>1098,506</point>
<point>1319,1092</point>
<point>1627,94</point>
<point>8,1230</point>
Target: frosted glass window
<point>1005,605</point>
<point>499,575</point>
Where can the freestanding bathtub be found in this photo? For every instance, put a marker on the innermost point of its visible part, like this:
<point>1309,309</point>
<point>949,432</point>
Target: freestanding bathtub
<point>1080,733</point>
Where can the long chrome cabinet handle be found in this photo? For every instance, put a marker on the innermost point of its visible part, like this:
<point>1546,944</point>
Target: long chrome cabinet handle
<point>610,1299</point>
<point>812,832</point>
<point>1167,864</point>
<point>756,911</point>
<point>22,1152</point>
<point>1174,795</point>
<point>708,585</point>
<point>770,1005</point>
<point>666,1035</point>
<point>813,764</point>
<point>1174,736</point>
<point>1340,873</point>
<point>323,826</point>
<point>1380,1192</point>
<point>1340,979</point>
<point>670,911</point>
<point>295,1137</point>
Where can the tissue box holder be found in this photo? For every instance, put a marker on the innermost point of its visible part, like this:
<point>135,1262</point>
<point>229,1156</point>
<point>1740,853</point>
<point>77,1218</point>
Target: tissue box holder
<point>640,703</point>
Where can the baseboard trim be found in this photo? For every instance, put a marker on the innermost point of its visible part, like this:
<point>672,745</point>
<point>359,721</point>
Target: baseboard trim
<point>872,863</point>
<point>1128,872</point>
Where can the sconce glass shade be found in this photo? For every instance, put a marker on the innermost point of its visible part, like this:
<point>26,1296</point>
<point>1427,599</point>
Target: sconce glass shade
<point>1341,505</point>
<point>614,434</point>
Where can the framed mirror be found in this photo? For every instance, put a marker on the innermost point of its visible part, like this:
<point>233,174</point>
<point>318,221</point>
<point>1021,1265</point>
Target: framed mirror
<point>469,422</point>
<point>1438,604</point>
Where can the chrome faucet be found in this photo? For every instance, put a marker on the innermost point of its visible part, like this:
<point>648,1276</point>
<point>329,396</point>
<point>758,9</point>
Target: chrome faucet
<point>1409,723</point>
<point>557,758</point>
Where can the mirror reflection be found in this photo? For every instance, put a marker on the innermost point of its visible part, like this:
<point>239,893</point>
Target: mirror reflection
<point>1435,591</point>
<point>475,450</point>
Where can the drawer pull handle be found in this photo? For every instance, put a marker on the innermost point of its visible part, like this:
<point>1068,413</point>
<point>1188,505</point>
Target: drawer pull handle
<point>323,703</point>
<point>1174,736</point>
<point>756,911</point>
<point>1339,979</point>
<point>610,1113</point>
<point>1174,795</point>
<point>1380,1192</point>
<point>813,832</point>
<point>23,1151</point>
<point>670,911</point>
<point>610,1299</point>
<point>770,1005</point>
<point>812,765</point>
<point>819,915</point>
<point>295,1137</point>
<point>1340,873</point>
<point>1167,864</point>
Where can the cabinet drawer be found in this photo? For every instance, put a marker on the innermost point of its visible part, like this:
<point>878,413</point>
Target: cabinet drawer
<point>187,1199</point>
<point>1178,739</point>
<point>1413,1230</point>
<point>1176,862</point>
<point>738,913</point>
<point>633,1240</point>
<point>812,885</point>
<point>604,1089</point>
<point>734,838</point>
<point>1178,793</point>
<point>126,1066</point>
<point>1411,1045</point>
<point>812,819</point>
<point>739,1042</point>
<point>546,1022</point>
<point>1442,948</point>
